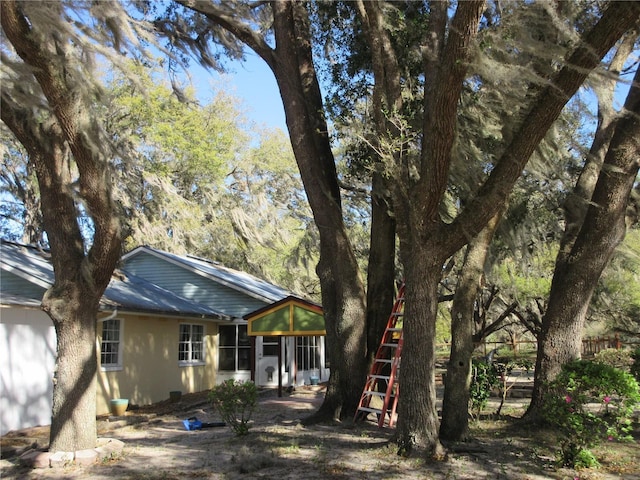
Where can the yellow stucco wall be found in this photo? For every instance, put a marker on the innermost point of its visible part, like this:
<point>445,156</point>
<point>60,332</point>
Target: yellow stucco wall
<point>150,367</point>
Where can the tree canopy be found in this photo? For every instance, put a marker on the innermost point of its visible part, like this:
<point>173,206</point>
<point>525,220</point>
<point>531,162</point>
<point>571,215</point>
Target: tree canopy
<point>454,121</point>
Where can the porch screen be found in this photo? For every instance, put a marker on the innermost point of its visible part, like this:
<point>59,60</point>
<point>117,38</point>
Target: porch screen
<point>308,352</point>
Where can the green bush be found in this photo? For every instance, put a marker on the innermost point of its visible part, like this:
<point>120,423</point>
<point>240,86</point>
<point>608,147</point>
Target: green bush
<point>484,378</point>
<point>235,402</point>
<point>618,358</point>
<point>589,402</point>
<point>635,367</point>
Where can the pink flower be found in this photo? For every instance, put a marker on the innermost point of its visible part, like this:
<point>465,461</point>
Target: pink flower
<point>567,399</point>
<point>607,399</point>
<point>610,438</point>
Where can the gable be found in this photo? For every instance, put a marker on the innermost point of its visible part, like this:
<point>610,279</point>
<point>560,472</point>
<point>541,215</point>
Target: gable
<point>289,317</point>
<point>191,285</point>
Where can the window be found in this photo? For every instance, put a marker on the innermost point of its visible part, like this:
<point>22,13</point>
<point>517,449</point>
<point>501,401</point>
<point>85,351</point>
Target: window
<point>110,347</point>
<point>308,352</point>
<point>191,346</point>
<point>270,346</point>
<point>234,348</point>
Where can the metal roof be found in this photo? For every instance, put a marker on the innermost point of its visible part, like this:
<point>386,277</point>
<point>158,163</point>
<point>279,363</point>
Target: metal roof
<point>30,263</point>
<point>235,279</point>
<point>125,291</point>
<point>136,294</point>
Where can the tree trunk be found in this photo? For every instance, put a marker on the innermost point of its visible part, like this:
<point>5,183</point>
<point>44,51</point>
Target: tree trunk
<point>343,307</point>
<point>73,425</point>
<point>381,272</point>
<point>577,203</point>
<point>419,223</point>
<point>602,231</point>
<point>80,280</point>
<point>387,102</point>
<point>455,405</point>
<point>72,301</point>
<point>417,414</point>
<point>71,305</point>
<point>343,298</point>
<point>32,233</point>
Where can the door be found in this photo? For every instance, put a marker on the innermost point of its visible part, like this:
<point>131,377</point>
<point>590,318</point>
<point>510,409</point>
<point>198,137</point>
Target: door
<point>267,361</point>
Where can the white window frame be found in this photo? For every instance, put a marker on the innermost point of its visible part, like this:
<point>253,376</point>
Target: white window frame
<point>110,367</point>
<point>308,352</point>
<point>189,343</point>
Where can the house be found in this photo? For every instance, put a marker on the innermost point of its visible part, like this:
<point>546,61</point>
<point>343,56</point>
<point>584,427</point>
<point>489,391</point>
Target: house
<point>238,296</point>
<point>166,322</point>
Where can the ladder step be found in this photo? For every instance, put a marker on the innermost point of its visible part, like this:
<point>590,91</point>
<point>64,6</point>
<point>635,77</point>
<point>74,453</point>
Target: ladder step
<point>392,341</point>
<point>369,409</point>
<point>374,393</point>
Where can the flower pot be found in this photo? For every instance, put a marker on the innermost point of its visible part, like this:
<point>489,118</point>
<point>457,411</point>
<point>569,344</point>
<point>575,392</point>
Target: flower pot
<point>119,406</point>
<point>175,396</point>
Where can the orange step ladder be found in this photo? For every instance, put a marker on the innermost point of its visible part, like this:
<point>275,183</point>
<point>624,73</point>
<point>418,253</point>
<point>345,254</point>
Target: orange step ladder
<point>382,381</point>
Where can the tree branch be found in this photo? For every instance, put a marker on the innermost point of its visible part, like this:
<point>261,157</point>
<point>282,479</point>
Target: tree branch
<point>441,104</point>
<point>496,324</point>
<point>229,19</point>
<point>618,18</point>
<point>50,55</point>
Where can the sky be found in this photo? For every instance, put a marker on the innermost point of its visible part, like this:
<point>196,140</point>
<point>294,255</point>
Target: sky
<point>253,83</point>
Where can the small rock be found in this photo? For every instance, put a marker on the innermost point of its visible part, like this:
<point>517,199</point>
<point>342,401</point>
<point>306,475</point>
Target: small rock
<point>60,459</point>
<point>85,457</point>
<point>107,447</point>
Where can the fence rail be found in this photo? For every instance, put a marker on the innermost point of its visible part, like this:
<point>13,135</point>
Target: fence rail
<point>590,345</point>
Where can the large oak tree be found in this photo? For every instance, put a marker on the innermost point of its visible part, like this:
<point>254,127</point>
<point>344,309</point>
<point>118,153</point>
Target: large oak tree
<point>47,94</point>
<point>597,223</point>
<point>279,33</point>
<point>419,182</point>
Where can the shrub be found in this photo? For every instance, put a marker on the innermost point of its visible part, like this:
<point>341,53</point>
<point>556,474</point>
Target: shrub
<point>635,367</point>
<point>618,358</point>
<point>484,379</point>
<point>590,402</point>
<point>235,402</point>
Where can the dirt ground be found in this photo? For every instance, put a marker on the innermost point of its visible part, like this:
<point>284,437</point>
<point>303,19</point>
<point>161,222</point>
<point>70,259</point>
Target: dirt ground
<point>158,447</point>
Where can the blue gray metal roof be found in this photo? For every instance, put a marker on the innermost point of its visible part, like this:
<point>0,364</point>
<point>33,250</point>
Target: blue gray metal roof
<point>135,294</point>
<point>29,263</point>
<point>125,291</point>
<point>237,280</point>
